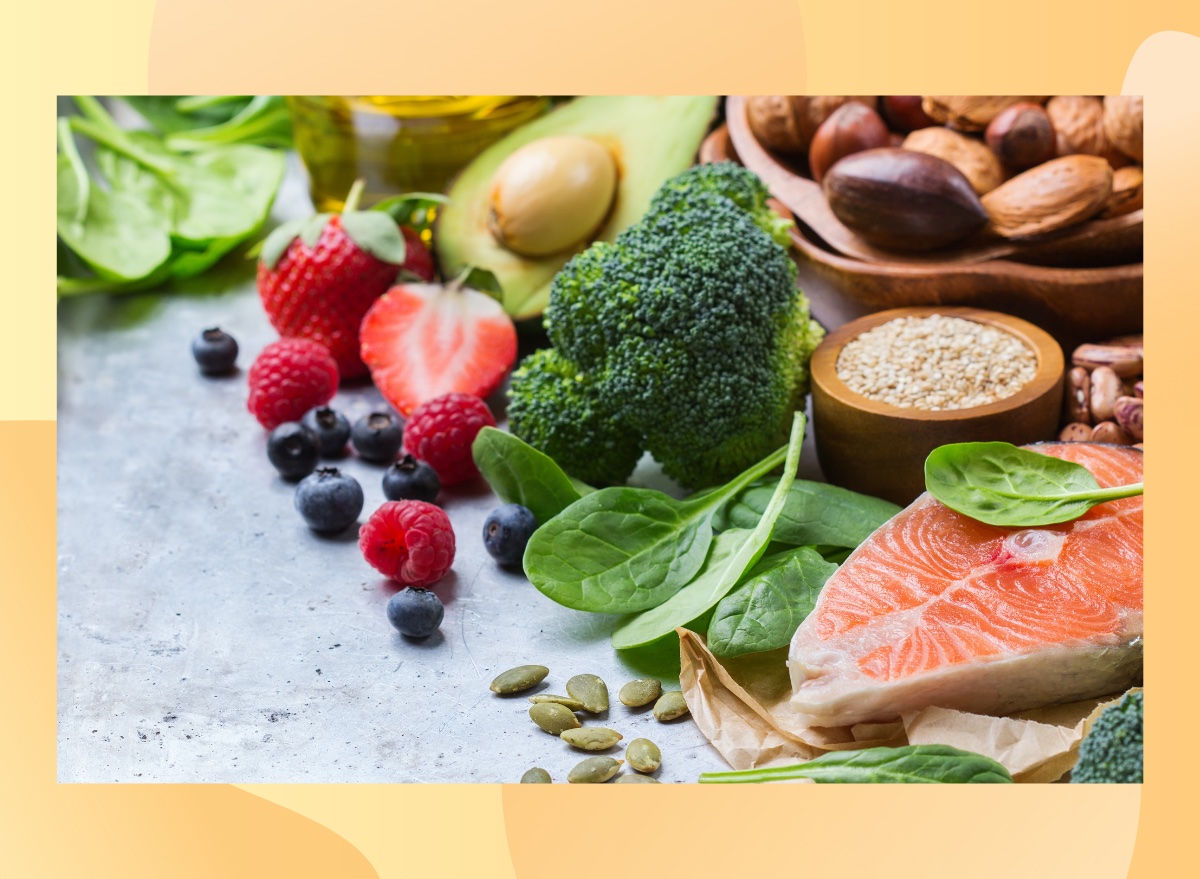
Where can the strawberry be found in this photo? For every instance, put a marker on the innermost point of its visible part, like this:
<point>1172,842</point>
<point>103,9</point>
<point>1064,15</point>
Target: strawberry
<point>421,341</point>
<point>318,277</point>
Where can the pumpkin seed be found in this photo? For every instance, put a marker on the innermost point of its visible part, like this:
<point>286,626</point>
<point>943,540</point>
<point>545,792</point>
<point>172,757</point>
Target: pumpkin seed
<point>573,704</point>
<point>536,775</point>
<point>670,705</point>
<point>636,779</point>
<point>635,694</point>
<point>553,718</point>
<point>520,678</point>
<point>589,690</point>
<point>592,738</point>
<point>643,755</point>
<point>595,770</point>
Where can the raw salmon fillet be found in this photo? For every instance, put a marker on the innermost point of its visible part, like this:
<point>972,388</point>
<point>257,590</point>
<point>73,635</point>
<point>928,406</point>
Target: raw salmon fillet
<point>935,608</point>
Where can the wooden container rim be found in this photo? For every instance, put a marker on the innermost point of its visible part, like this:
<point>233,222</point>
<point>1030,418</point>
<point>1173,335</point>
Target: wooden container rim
<point>1050,364</point>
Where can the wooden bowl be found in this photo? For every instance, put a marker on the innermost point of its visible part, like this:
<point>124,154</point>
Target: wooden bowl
<point>1074,304</point>
<point>879,449</point>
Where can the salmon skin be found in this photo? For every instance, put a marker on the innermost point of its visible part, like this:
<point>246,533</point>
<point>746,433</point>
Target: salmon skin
<point>937,609</point>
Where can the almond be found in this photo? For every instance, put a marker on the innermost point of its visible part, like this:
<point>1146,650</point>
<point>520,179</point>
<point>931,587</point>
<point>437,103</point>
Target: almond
<point>1127,192</point>
<point>1123,124</point>
<point>970,112</point>
<point>1052,196</point>
<point>977,163</point>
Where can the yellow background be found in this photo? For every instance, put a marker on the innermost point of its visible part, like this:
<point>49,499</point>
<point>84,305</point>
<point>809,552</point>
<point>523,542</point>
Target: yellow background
<point>541,46</point>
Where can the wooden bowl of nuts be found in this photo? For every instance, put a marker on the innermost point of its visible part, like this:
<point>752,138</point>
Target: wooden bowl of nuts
<point>891,387</point>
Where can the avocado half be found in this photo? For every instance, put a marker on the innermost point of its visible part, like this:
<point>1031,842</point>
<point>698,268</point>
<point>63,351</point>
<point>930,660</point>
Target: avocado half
<point>651,138</point>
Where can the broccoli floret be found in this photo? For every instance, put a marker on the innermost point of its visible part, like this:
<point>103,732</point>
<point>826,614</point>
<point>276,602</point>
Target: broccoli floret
<point>734,183</point>
<point>689,331</point>
<point>1112,750</point>
<point>559,412</point>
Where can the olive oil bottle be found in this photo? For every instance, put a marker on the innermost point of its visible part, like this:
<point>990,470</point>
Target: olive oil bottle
<point>398,144</point>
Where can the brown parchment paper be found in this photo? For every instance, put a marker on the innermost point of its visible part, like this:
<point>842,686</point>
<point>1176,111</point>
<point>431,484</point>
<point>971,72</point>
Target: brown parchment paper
<point>743,706</point>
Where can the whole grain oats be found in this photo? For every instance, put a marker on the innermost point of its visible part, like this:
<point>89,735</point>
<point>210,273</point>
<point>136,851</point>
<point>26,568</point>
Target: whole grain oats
<point>936,363</point>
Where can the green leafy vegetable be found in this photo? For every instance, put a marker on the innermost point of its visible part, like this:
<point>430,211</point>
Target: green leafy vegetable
<point>813,514</point>
<point>1000,484</point>
<point>520,474</point>
<point>911,764</point>
<point>621,550</point>
<point>192,121</point>
<point>767,608</point>
<point>154,214</point>
<point>733,553</point>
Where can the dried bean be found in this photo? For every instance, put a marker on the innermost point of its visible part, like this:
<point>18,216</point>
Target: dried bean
<point>1125,362</point>
<point>1128,412</point>
<point>1111,432</point>
<point>1075,400</point>
<point>1076,432</point>
<point>1106,387</point>
<point>1138,389</point>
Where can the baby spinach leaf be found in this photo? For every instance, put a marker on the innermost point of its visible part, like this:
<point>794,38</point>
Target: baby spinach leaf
<point>766,609</point>
<point>911,764</point>
<point>620,550</point>
<point>117,236</point>
<point>733,553</point>
<point>1000,484</point>
<point>520,474</point>
<point>814,513</point>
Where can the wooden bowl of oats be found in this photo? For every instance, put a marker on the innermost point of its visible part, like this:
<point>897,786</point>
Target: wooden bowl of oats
<point>891,387</point>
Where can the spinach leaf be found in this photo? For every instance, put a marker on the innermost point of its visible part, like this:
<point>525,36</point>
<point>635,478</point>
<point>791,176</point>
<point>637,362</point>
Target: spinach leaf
<point>1000,484</point>
<point>766,609</point>
<point>520,474</point>
<point>814,513</point>
<point>733,553</point>
<point>197,120</point>
<point>911,764</point>
<point>620,550</point>
<point>117,236</point>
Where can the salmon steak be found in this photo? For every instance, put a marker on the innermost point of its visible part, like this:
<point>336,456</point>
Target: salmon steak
<point>937,609</point>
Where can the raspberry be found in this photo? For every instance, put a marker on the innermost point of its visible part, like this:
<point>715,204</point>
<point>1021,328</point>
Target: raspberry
<point>290,377</point>
<point>440,432</point>
<point>409,541</point>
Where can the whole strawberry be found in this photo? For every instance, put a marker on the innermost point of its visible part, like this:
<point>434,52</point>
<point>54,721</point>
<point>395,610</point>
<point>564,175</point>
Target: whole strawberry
<point>318,277</point>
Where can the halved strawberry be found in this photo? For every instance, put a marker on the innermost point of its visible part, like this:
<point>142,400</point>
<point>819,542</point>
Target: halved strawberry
<point>421,341</point>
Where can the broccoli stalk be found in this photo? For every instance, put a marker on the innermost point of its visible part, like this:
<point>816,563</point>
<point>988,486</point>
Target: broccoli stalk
<point>1111,752</point>
<point>686,338</point>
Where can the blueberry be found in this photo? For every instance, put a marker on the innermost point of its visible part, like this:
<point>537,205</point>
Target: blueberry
<point>216,351</point>
<point>506,531</point>
<point>329,501</point>
<point>332,430</point>
<point>293,449</point>
<point>415,612</point>
<point>377,437</point>
<point>411,480</point>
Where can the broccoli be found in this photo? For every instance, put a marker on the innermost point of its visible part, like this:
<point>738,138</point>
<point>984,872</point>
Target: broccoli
<point>1111,752</point>
<point>686,337</point>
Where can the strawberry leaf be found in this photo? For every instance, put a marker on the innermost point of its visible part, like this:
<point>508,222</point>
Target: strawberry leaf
<point>376,233</point>
<point>416,210</point>
<point>482,280</point>
<point>311,231</point>
<point>277,243</point>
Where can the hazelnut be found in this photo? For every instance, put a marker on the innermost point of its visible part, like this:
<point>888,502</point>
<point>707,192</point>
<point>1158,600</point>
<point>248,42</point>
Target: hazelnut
<point>851,128</point>
<point>1022,136</point>
<point>904,114</point>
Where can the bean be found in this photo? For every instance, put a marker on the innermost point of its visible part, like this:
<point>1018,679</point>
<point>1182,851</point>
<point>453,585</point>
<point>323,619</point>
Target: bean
<point>1125,362</point>
<point>1111,432</point>
<point>1128,412</point>
<point>1075,400</point>
<point>1076,432</point>
<point>1106,387</point>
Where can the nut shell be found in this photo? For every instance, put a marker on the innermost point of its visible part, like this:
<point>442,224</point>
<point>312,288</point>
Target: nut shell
<point>1054,195</point>
<point>977,163</point>
<point>971,112</point>
<point>903,200</point>
<point>1123,124</point>
<point>789,123</point>
<point>851,128</point>
<point>1079,128</point>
